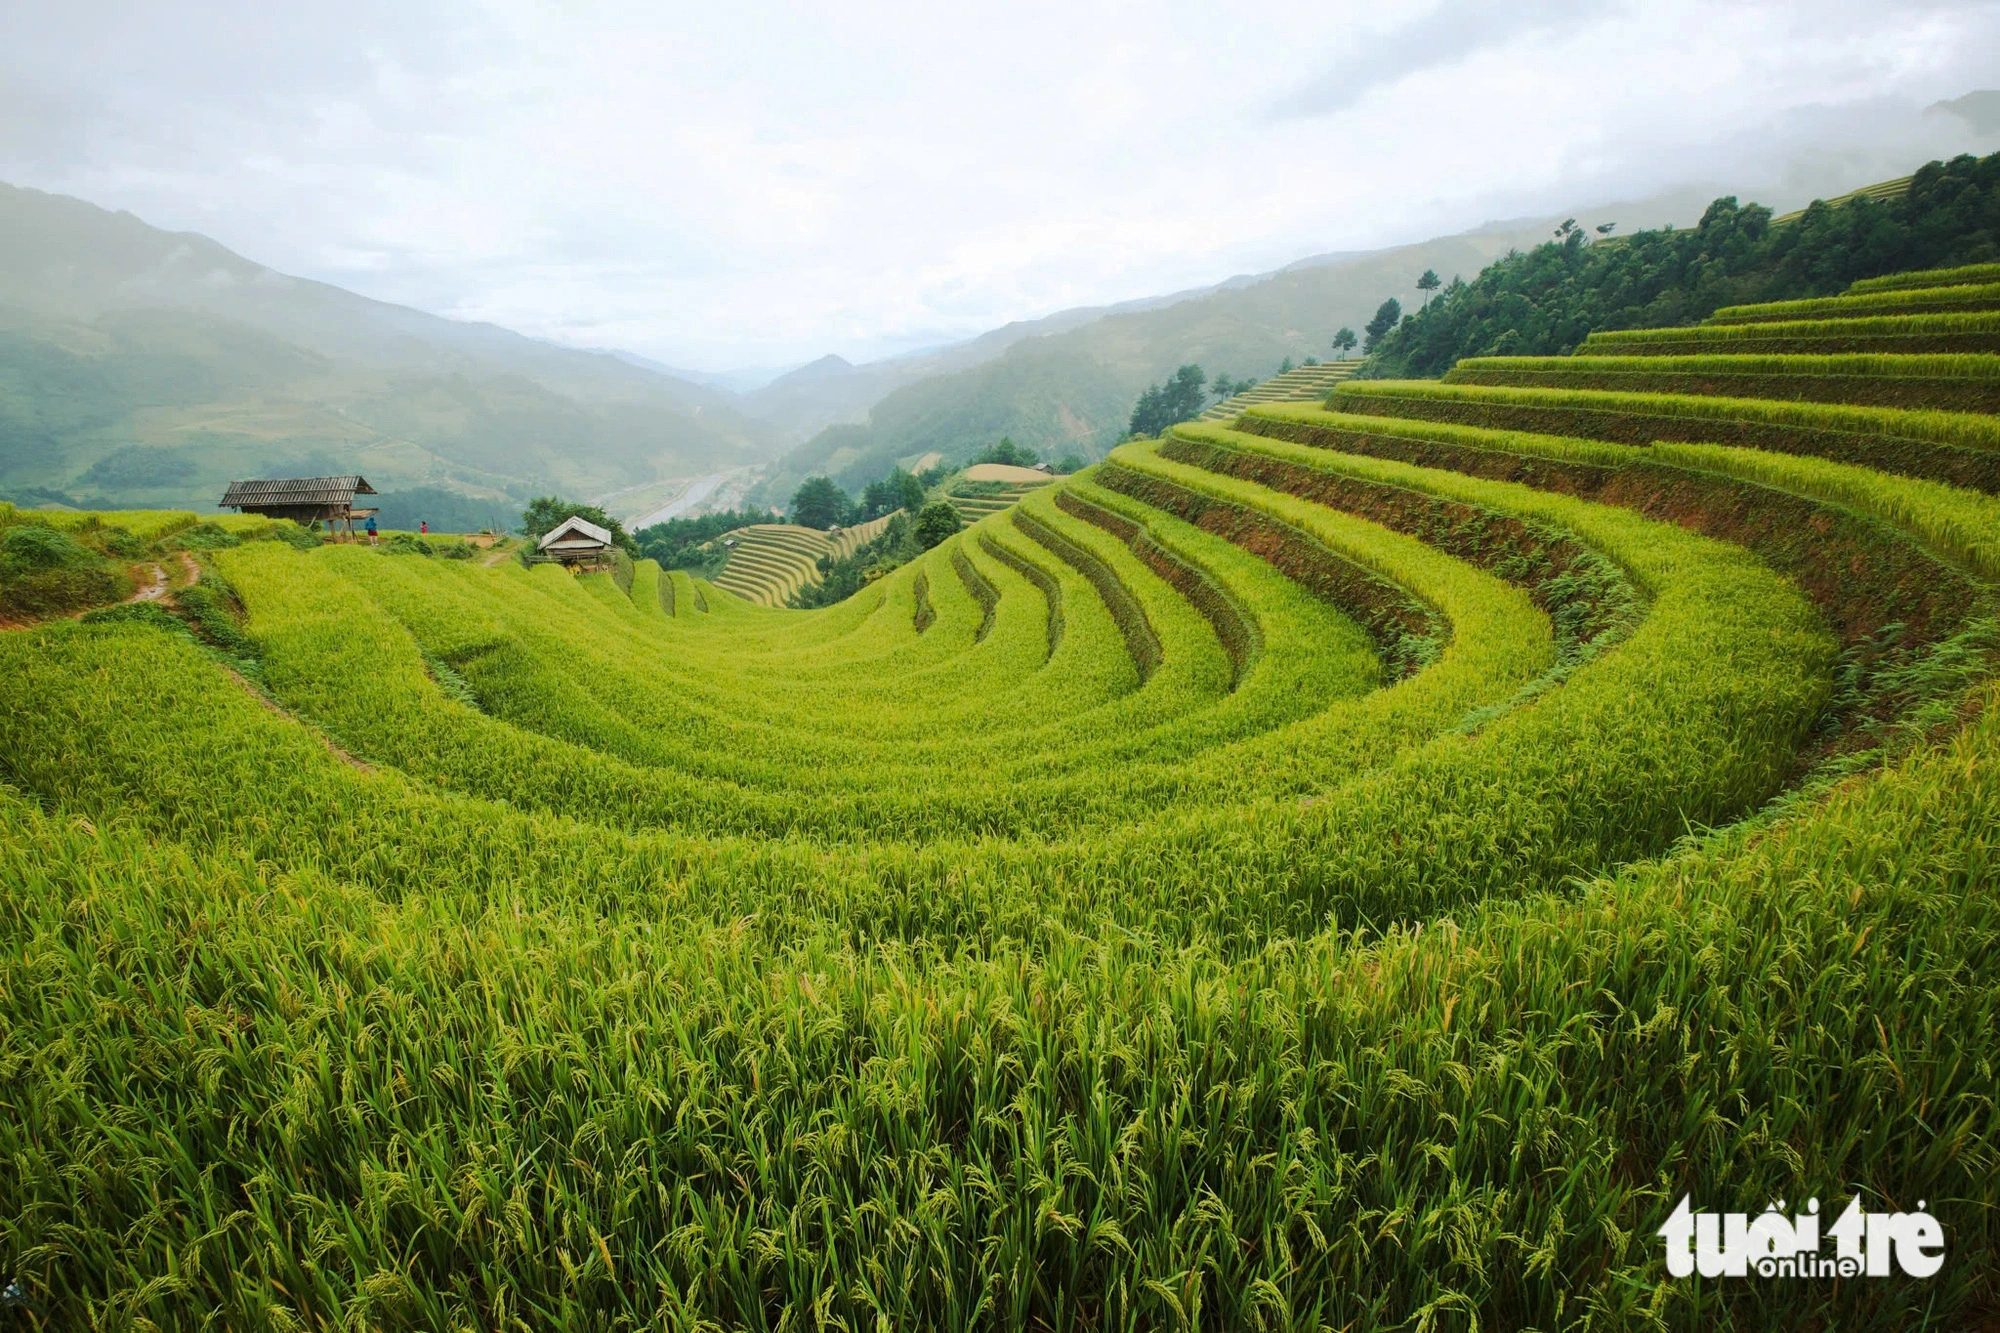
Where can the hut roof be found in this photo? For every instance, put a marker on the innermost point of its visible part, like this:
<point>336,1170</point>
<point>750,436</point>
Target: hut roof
<point>571,528</point>
<point>293,492</point>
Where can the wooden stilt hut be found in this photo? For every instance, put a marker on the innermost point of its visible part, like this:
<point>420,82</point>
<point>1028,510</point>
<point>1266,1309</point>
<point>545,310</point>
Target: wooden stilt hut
<point>305,500</point>
<point>576,543</point>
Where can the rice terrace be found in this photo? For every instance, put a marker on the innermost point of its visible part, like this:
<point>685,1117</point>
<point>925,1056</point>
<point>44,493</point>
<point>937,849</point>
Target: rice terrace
<point>1353,861</point>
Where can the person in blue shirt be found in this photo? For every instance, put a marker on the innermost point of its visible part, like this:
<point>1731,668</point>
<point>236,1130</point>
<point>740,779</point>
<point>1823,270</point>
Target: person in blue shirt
<point>370,525</point>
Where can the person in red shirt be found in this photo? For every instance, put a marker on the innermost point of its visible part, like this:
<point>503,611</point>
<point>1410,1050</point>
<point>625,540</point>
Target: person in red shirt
<point>424,527</point>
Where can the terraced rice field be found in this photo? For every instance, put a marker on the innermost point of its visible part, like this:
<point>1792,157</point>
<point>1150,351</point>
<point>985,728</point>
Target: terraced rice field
<point>1303,385</point>
<point>987,488</point>
<point>1881,192</point>
<point>770,562</point>
<point>1356,866</point>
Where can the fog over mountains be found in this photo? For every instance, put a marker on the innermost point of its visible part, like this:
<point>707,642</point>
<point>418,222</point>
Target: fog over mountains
<point>141,367</point>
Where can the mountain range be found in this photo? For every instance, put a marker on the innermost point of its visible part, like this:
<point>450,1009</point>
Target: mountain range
<point>144,367</point>
<point>141,368</point>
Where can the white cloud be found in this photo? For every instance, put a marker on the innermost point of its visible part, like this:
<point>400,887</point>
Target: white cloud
<point>717,185</point>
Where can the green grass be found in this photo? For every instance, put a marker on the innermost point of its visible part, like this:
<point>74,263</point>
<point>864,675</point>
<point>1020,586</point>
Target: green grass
<point>1960,383</point>
<point>1959,448</point>
<point>1894,301</point>
<point>1964,333</point>
<point>1355,869</point>
<point>1968,275</point>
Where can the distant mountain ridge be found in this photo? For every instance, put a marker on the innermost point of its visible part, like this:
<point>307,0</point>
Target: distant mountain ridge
<point>823,394</point>
<point>141,367</point>
<point>1071,388</point>
<point>144,367</point>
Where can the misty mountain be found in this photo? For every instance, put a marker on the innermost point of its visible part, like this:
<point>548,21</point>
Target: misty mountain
<point>833,391</point>
<point>1072,390</point>
<point>1060,392</point>
<point>145,367</point>
<point>1068,383</point>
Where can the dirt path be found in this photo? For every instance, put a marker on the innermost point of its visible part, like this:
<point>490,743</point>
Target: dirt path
<point>159,586</point>
<point>153,591</point>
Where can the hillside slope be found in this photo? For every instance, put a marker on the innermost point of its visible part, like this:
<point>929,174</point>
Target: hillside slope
<point>769,562</point>
<point>1074,389</point>
<point>1360,860</point>
<point>832,391</point>
<point>142,367</point>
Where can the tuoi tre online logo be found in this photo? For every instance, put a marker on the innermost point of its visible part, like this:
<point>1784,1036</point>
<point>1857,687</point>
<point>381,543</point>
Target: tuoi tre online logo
<point>1773,1245</point>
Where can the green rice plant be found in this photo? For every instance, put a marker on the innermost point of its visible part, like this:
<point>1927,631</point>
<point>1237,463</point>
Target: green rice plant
<point>1905,334</point>
<point>1895,301</point>
<point>149,525</point>
<point>1949,383</point>
<point>1959,525</point>
<point>1142,642</point>
<point>1085,925</point>
<point>1894,605</point>
<point>1588,598</point>
<point>1968,275</point>
<point>1138,1084</point>
<point>1958,448</point>
<point>1973,368</point>
<point>1236,628</point>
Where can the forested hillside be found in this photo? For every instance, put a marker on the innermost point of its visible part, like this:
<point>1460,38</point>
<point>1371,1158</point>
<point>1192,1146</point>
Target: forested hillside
<point>1549,299</point>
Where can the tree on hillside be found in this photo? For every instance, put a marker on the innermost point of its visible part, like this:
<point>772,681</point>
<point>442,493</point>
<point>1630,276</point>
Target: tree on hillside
<point>1007,452</point>
<point>1387,315</point>
<point>898,490</point>
<point>544,512</point>
<point>1344,341</point>
<point>937,522</point>
<point>1545,301</point>
<point>841,578</point>
<point>1286,367</point>
<point>1163,405</point>
<point>1071,462</point>
<point>818,503</point>
<point>876,500</point>
<point>1429,283</point>
<point>685,543</point>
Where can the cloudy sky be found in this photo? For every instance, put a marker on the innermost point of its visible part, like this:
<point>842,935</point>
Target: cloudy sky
<point>723,185</point>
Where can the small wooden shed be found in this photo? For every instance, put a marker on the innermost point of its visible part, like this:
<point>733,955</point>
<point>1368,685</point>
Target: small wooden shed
<point>575,541</point>
<point>304,500</point>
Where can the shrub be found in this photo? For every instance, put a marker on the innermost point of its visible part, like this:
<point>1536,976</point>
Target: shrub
<point>55,591</point>
<point>29,548</point>
<point>204,536</point>
<point>212,607</point>
<point>150,614</point>
<point>124,544</point>
<point>937,522</point>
